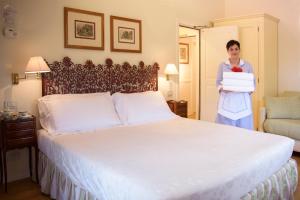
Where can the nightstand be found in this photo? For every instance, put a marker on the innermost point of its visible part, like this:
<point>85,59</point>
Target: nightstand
<point>19,133</point>
<point>178,107</point>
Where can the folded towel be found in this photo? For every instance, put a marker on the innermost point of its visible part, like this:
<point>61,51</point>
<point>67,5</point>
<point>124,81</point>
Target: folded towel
<point>237,82</point>
<point>238,75</point>
<point>238,88</point>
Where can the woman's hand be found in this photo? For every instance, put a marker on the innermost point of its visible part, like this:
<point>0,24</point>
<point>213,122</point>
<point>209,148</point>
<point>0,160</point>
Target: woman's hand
<point>226,91</point>
<point>222,90</point>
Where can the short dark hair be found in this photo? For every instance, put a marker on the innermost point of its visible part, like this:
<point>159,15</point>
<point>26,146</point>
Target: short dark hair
<point>231,43</point>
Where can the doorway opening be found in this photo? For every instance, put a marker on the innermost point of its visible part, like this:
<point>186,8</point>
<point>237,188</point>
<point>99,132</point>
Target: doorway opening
<point>189,69</point>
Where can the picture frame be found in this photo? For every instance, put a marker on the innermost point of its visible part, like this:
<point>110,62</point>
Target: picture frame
<point>83,29</point>
<point>125,35</point>
<point>183,53</point>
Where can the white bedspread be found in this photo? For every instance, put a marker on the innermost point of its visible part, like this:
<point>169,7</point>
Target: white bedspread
<point>176,159</point>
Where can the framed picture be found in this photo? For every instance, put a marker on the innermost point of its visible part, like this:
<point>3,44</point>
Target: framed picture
<point>125,34</point>
<point>183,53</point>
<point>83,29</point>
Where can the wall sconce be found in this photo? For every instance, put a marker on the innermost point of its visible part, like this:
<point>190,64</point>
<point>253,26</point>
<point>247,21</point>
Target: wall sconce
<point>170,70</point>
<point>35,65</point>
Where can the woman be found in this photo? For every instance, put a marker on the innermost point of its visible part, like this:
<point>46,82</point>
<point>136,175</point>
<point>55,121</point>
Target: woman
<point>237,105</point>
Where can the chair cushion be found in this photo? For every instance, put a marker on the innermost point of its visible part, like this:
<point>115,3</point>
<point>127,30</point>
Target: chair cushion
<point>287,107</point>
<point>285,127</point>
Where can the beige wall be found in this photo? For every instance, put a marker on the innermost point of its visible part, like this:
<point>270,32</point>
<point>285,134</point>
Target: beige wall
<point>288,34</point>
<point>40,29</point>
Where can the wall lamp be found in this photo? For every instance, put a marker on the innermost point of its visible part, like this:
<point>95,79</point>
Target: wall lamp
<point>170,70</point>
<point>35,65</point>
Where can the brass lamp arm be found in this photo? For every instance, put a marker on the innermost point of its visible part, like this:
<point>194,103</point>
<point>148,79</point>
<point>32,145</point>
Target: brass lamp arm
<point>15,78</point>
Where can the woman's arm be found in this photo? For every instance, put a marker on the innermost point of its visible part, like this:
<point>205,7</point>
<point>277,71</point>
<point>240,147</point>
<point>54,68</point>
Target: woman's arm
<point>219,77</point>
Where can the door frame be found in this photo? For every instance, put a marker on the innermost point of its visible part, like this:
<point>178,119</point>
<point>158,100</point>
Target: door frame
<point>198,86</point>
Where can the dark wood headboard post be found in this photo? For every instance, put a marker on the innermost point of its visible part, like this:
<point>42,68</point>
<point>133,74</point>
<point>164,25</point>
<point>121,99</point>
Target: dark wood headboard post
<point>109,63</point>
<point>66,77</point>
<point>156,68</point>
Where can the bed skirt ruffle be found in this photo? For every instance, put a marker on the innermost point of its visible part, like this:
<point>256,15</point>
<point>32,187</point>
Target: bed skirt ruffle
<point>280,186</point>
<point>56,184</point>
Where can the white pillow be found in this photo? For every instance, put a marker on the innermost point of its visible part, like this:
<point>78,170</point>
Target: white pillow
<point>64,114</point>
<point>45,117</point>
<point>139,108</point>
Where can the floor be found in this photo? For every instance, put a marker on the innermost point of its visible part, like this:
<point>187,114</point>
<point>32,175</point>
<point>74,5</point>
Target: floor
<point>26,189</point>
<point>192,116</point>
<point>21,190</point>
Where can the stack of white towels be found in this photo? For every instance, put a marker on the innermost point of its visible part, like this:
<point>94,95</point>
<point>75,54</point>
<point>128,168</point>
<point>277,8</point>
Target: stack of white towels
<point>238,81</point>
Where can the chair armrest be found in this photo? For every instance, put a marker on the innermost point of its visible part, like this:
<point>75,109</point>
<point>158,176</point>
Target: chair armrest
<point>262,118</point>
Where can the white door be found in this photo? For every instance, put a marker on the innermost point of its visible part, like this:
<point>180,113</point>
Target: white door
<point>213,52</point>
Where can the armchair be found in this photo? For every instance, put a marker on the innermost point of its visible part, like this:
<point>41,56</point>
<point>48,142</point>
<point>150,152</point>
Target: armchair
<point>281,116</point>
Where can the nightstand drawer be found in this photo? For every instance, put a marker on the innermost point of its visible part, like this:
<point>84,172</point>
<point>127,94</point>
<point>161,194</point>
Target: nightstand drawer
<point>20,134</point>
<point>21,142</point>
<point>181,109</point>
<point>182,114</point>
<point>14,126</point>
<point>182,104</point>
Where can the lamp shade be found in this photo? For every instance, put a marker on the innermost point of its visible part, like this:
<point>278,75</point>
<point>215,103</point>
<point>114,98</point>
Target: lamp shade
<point>171,69</point>
<point>37,65</point>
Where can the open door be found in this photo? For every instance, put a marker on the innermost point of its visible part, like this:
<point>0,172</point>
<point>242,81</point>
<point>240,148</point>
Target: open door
<point>213,52</point>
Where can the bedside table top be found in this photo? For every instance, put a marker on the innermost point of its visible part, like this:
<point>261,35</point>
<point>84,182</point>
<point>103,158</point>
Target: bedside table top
<point>175,101</point>
<point>19,119</point>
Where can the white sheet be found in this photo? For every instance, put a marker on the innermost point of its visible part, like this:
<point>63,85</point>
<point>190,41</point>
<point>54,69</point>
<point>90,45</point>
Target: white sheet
<point>175,159</point>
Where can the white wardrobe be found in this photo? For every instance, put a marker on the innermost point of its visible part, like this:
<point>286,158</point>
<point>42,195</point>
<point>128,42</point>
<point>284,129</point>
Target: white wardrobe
<point>258,35</point>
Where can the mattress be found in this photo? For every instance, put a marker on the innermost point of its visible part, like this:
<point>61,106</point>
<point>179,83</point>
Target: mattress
<point>173,159</point>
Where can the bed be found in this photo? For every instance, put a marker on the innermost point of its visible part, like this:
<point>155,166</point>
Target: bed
<point>151,155</point>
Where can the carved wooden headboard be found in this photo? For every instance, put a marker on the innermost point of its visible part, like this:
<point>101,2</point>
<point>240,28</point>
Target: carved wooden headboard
<point>66,77</point>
